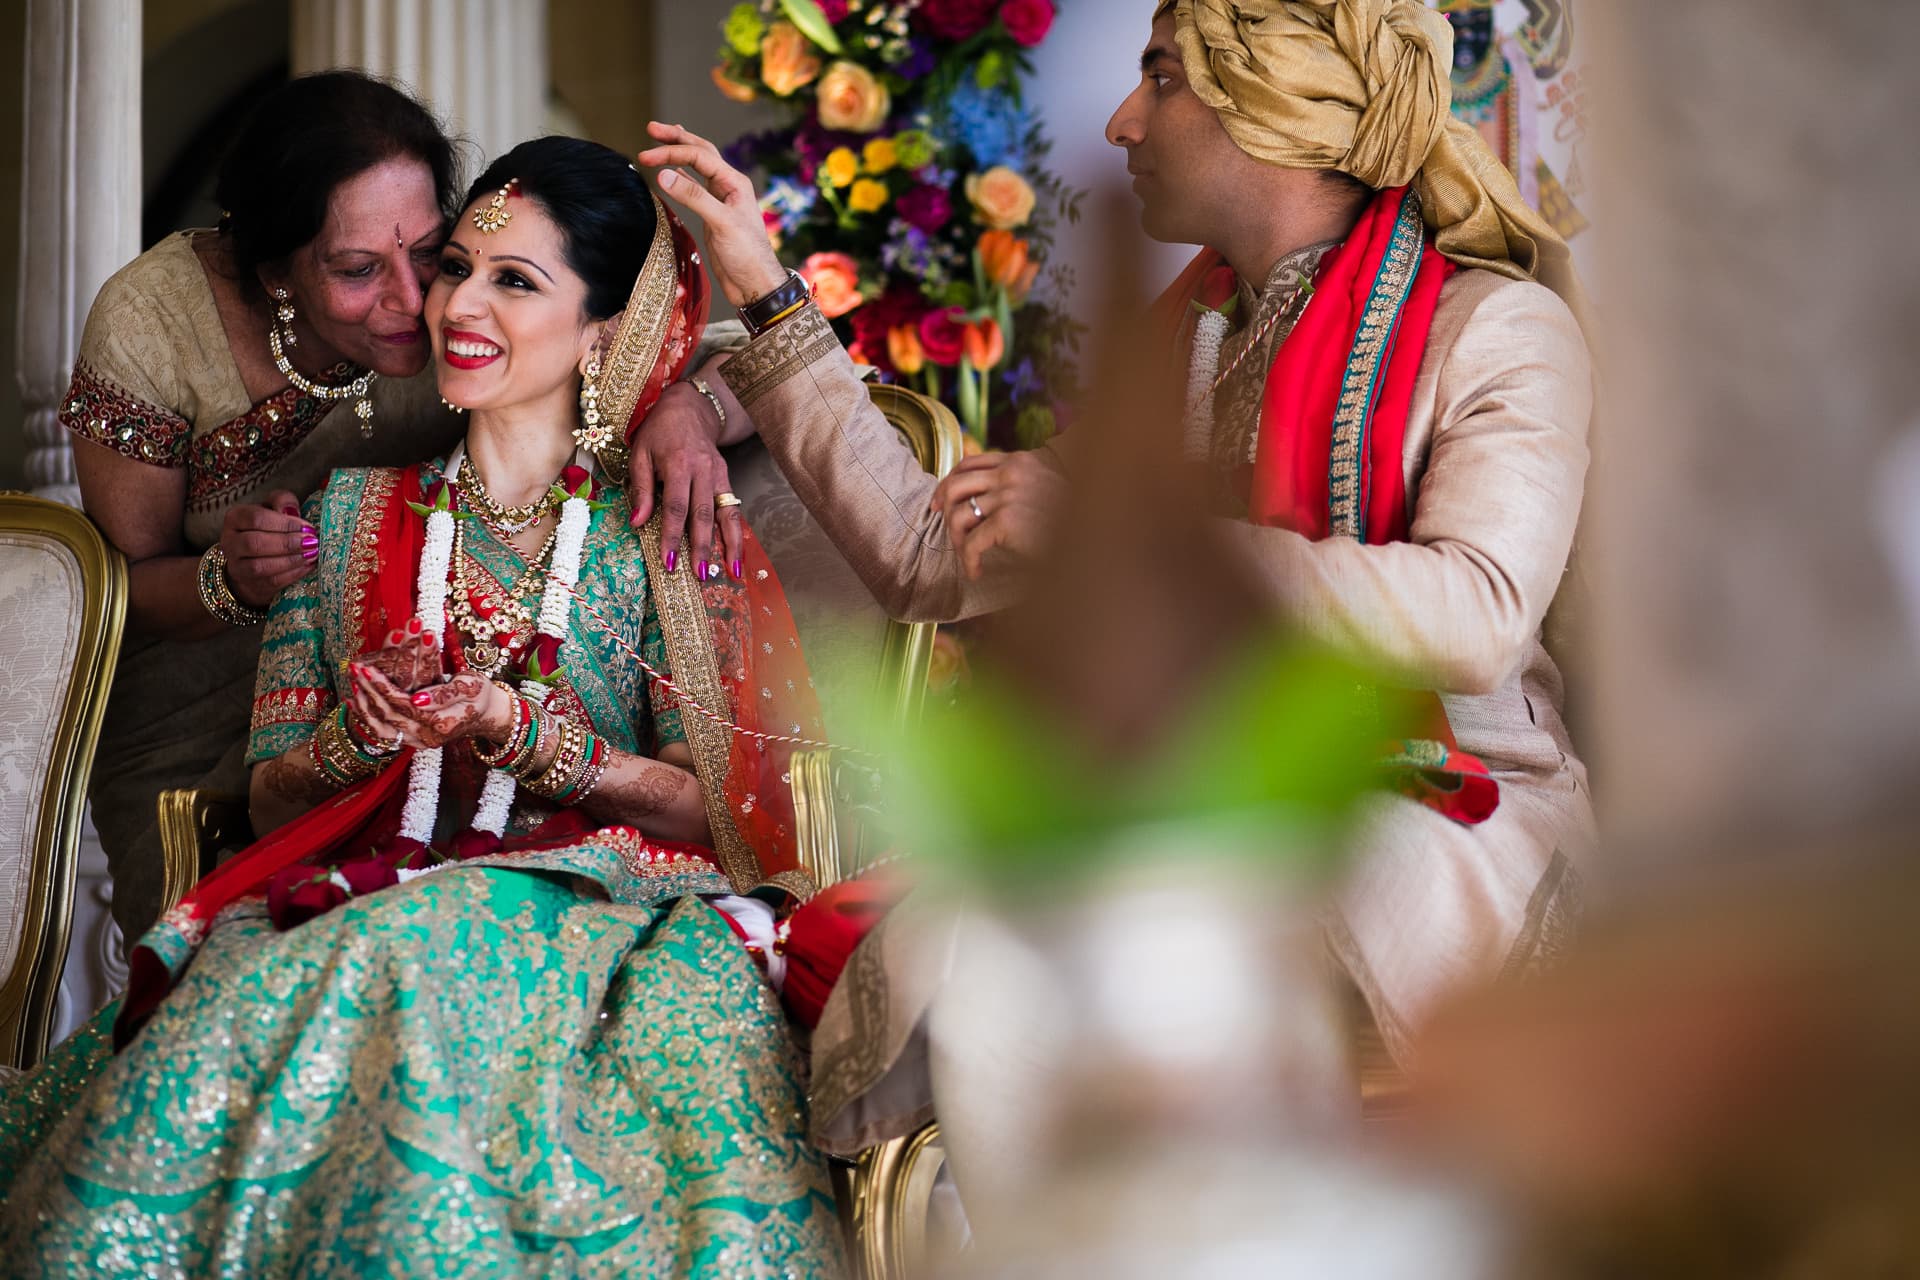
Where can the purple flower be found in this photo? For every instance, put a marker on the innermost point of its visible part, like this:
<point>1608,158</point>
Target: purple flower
<point>1023,381</point>
<point>918,63</point>
<point>928,208</point>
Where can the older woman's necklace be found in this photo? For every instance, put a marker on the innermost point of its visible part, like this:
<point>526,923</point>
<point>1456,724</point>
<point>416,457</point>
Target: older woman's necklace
<point>278,342</point>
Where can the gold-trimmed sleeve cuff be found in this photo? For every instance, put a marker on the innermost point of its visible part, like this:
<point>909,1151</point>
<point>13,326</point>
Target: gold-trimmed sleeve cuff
<point>778,354</point>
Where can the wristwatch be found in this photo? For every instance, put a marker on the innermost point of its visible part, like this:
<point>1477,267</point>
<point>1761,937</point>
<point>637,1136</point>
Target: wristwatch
<point>770,309</point>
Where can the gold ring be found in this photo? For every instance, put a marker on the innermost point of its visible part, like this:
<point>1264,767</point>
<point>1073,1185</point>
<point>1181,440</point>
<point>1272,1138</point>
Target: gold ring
<point>725,500</point>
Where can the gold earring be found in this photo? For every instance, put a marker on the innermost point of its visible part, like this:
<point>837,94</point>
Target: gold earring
<point>592,434</point>
<point>451,406</point>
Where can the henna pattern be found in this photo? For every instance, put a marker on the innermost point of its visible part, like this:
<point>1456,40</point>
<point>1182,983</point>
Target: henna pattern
<point>651,792</point>
<point>453,710</point>
<point>294,783</point>
<point>410,660</point>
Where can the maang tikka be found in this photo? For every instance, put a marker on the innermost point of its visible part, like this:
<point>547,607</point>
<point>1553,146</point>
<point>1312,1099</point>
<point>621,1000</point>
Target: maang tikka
<point>496,214</point>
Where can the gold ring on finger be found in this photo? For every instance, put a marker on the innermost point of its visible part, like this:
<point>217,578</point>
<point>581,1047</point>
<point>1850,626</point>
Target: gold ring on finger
<point>724,500</point>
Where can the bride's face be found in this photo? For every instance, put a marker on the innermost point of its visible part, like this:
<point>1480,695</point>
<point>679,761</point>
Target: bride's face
<point>507,316</point>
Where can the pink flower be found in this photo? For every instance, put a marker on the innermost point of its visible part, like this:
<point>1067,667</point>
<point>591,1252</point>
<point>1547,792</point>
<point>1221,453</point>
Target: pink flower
<point>368,875</point>
<point>956,19</point>
<point>927,208</point>
<point>834,10</point>
<point>1027,21</point>
<point>943,335</point>
<point>835,278</point>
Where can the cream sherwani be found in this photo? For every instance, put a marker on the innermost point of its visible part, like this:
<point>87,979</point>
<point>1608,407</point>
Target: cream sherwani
<point>1496,459</point>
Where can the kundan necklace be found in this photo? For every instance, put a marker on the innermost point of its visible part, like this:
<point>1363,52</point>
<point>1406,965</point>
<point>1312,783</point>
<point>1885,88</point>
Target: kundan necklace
<point>357,385</point>
<point>510,520</point>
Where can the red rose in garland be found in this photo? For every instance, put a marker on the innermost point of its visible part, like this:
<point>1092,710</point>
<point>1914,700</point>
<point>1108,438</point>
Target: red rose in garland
<point>1027,21</point>
<point>956,19</point>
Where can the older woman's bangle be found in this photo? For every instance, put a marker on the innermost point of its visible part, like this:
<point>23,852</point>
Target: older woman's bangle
<point>216,592</point>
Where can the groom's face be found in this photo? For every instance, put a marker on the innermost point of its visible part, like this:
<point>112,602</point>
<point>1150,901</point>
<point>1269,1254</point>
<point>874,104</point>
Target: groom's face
<point>1186,170</point>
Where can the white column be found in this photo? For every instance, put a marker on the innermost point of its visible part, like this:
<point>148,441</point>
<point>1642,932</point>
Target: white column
<point>79,201</point>
<point>79,223</point>
<point>480,64</point>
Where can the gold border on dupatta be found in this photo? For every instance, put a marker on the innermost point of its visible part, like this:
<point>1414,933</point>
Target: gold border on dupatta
<point>643,326</point>
<point>683,619</point>
<point>1364,366</point>
<point>363,552</point>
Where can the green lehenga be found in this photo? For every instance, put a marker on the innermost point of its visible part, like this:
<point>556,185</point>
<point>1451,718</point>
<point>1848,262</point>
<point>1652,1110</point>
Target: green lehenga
<point>557,1064</point>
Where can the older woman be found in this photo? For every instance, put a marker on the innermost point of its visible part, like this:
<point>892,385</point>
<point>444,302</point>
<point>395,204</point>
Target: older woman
<point>222,375</point>
<point>484,1001</point>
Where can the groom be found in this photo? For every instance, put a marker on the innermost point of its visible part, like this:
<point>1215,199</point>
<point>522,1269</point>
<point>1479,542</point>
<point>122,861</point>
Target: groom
<point>1402,460</point>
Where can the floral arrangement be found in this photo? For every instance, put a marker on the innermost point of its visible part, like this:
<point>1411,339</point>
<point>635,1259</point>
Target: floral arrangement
<point>910,184</point>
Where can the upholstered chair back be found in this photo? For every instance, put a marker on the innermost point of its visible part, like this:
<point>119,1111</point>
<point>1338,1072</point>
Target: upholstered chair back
<point>63,595</point>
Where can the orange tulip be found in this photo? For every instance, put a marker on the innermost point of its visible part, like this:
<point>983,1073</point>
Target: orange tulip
<point>1017,291</point>
<point>731,88</point>
<point>983,344</point>
<point>1003,256</point>
<point>904,349</point>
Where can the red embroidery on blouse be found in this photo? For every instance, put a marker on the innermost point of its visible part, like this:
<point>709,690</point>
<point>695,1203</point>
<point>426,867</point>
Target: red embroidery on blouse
<point>291,706</point>
<point>98,411</point>
<point>231,459</point>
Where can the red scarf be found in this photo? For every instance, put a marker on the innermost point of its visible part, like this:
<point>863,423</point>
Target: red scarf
<point>1333,427</point>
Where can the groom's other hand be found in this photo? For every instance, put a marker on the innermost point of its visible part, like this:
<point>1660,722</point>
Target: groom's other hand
<point>1005,500</point>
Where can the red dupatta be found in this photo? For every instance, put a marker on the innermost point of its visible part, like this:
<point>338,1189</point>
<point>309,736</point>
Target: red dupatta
<point>735,651</point>
<point>1333,422</point>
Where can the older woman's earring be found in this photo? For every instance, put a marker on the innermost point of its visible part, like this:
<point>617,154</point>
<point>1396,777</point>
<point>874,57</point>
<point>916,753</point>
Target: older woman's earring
<point>451,406</point>
<point>280,336</point>
<point>593,434</point>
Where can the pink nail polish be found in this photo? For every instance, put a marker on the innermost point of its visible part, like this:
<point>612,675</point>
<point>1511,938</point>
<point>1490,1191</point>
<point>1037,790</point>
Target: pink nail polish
<point>673,559</point>
<point>422,700</point>
<point>737,575</point>
<point>700,571</point>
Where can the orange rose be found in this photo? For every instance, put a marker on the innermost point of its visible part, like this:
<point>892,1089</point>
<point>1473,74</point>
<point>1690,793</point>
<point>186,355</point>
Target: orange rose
<point>852,100</point>
<point>731,88</point>
<point>983,344</point>
<point>1003,257</point>
<point>1001,198</point>
<point>787,61</point>
<point>835,278</point>
<point>904,349</point>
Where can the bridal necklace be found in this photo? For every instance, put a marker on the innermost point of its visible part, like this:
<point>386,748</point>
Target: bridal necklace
<point>502,518</point>
<point>278,342</point>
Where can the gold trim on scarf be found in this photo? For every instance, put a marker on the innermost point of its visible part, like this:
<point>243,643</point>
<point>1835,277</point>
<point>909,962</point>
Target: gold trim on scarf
<point>643,326</point>
<point>1361,387</point>
<point>689,636</point>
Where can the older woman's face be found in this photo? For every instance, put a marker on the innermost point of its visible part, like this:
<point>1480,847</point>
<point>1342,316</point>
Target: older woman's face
<point>507,316</point>
<point>360,285</point>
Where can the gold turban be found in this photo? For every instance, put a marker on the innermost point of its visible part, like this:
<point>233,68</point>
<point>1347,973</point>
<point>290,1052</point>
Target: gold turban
<point>1363,86</point>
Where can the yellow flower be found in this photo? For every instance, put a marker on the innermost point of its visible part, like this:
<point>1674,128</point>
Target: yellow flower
<point>787,61</point>
<point>868,196</point>
<point>852,100</point>
<point>841,167</point>
<point>1001,198</point>
<point>880,155</point>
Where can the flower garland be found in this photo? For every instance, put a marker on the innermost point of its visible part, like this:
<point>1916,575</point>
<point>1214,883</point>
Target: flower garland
<point>1209,332</point>
<point>563,575</point>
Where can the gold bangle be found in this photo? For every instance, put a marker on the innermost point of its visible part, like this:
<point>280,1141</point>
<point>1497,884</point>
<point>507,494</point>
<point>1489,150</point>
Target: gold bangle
<point>216,592</point>
<point>334,753</point>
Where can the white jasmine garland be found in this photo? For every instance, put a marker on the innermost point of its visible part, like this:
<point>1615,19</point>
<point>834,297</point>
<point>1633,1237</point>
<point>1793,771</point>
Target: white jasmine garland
<point>556,609</point>
<point>1209,333</point>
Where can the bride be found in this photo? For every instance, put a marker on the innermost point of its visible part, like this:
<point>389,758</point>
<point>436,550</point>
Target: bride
<point>490,998</point>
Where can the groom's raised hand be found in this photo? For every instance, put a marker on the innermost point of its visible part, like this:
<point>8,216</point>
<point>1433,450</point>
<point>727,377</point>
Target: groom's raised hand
<point>693,175</point>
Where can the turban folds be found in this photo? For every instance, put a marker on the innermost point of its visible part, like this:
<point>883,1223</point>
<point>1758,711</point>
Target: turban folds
<point>1363,86</point>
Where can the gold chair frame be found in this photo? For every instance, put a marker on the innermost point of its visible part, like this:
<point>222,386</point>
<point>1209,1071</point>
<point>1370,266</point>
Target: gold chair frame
<point>31,991</point>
